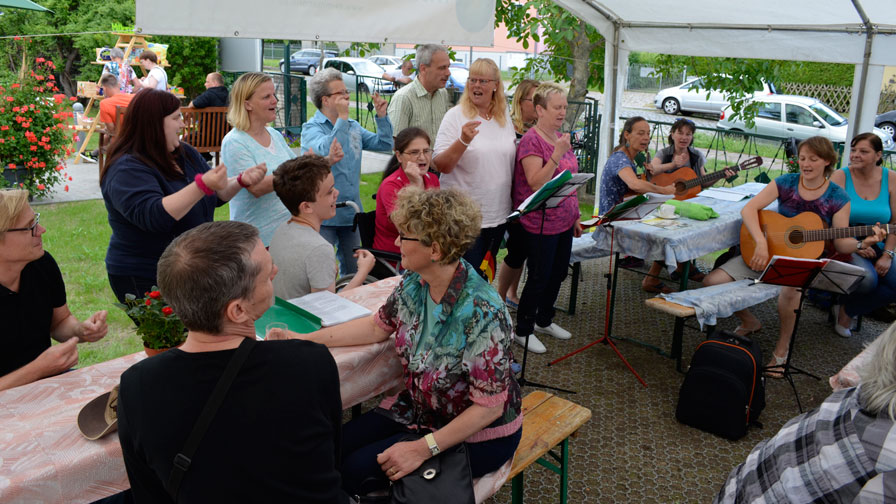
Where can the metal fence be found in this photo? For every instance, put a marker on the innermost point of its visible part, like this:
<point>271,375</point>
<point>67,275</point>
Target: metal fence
<point>642,78</point>
<point>723,148</point>
<point>292,96</point>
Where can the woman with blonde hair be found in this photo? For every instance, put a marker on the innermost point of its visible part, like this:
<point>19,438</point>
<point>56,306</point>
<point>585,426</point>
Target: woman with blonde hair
<point>32,301</point>
<point>452,333</point>
<point>475,151</point>
<point>522,110</point>
<point>251,142</point>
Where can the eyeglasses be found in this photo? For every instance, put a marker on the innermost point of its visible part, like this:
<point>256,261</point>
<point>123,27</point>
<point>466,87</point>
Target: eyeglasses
<point>474,80</point>
<point>525,99</point>
<point>343,92</point>
<point>31,228</point>
<point>403,238</point>
<point>418,153</point>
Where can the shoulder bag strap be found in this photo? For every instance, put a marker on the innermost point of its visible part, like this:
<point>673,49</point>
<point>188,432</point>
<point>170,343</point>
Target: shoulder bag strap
<point>183,459</point>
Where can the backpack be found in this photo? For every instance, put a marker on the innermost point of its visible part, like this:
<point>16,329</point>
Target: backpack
<point>723,391</point>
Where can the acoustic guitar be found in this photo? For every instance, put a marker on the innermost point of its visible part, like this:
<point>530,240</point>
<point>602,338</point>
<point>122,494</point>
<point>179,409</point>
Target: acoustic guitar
<point>688,184</point>
<point>801,236</point>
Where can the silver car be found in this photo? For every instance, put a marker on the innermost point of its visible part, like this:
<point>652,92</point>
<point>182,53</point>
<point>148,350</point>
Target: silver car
<point>371,74</point>
<point>691,97</point>
<point>800,117</point>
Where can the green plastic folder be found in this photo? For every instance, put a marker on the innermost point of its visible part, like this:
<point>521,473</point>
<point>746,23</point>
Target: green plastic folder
<point>295,318</point>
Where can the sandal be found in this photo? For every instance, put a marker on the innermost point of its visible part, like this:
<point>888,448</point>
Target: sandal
<point>657,288</point>
<point>777,362</point>
<point>743,332</point>
<point>510,304</point>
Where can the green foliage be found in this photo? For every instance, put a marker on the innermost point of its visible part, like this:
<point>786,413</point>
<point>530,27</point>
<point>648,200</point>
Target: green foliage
<point>573,50</point>
<point>72,54</point>
<point>157,324</point>
<point>191,59</point>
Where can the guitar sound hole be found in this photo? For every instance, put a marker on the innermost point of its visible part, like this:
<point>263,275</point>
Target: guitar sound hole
<point>680,187</point>
<point>795,237</point>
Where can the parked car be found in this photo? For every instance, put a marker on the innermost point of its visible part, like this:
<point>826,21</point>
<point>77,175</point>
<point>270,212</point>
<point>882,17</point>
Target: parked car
<point>371,74</point>
<point>691,97</point>
<point>388,62</point>
<point>887,123</point>
<point>458,79</point>
<point>800,117</point>
<point>305,61</point>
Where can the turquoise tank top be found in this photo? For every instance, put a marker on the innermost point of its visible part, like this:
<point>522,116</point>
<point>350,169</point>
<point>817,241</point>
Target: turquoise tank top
<point>864,212</point>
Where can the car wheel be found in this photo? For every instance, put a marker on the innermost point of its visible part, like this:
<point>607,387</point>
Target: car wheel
<point>282,68</point>
<point>363,89</point>
<point>671,106</point>
<point>888,128</point>
<point>312,69</point>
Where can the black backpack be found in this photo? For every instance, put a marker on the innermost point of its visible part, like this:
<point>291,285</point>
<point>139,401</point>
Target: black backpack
<point>723,391</point>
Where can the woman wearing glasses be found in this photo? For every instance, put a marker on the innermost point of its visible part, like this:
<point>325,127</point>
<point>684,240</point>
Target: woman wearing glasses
<point>32,301</point>
<point>155,188</point>
<point>330,129</point>
<point>475,151</point>
<point>409,166</point>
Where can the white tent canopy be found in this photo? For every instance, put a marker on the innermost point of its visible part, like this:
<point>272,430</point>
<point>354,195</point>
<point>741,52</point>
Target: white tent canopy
<point>859,32</point>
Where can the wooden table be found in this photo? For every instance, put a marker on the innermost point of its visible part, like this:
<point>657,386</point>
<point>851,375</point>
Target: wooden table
<point>44,458</point>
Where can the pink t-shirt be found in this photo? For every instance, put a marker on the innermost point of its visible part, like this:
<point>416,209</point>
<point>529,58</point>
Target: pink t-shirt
<point>556,220</point>
<point>386,233</point>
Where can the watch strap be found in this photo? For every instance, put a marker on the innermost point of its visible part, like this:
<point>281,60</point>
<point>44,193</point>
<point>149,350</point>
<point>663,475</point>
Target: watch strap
<point>431,442</point>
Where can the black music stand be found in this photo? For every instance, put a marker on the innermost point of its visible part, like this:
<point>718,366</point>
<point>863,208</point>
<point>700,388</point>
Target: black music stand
<point>551,195</point>
<point>635,208</point>
<point>822,274</point>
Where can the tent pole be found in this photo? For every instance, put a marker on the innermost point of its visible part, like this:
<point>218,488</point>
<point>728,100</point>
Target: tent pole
<point>611,112</point>
<point>866,59</point>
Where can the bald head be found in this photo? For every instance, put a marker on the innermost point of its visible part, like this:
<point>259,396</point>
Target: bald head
<point>214,79</point>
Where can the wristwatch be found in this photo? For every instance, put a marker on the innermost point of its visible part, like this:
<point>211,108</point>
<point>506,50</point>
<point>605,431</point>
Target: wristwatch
<point>859,244</point>
<point>431,442</point>
<point>890,253</point>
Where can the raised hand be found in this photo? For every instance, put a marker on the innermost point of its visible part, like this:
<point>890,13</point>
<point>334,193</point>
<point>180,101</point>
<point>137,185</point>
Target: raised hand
<point>412,171</point>
<point>365,259</point>
<point>342,105</point>
<point>380,104</point>
<point>216,178</point>
<point>562,146</point>
<point>94,328</point>
<point>254,174</point>
<point>336,153</point>
<point>680,160</point>
<point>469,131</point>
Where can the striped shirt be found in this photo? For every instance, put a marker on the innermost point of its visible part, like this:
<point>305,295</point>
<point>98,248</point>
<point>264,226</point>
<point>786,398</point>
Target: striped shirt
<point>414,106</point>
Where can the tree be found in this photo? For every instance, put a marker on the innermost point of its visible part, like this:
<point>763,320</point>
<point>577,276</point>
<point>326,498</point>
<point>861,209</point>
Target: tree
<point>573,50</point>
<point>191,59</point>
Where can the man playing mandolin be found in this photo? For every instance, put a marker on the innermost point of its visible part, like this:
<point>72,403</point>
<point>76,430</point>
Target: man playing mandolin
<point>796,193</point>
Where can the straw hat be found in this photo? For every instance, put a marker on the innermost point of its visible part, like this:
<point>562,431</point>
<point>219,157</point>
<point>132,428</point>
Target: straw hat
<point>99,417</point>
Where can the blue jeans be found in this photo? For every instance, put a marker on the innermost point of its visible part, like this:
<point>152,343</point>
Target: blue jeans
<point>873,291</point>
<point>346,241</point>
<point>548,261</point>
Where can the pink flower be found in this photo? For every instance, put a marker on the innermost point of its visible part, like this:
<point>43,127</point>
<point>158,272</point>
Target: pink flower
<point>41,187</point>
<point>66,188</point>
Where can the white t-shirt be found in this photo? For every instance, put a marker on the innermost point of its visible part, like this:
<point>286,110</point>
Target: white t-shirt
<point>161,78</point>
<point>485,170</point>
<point>305,259</point>
<point>398,74</point>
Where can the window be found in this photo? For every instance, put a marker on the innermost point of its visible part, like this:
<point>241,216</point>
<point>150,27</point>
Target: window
<point>797,114</point>
<point>771,111</point>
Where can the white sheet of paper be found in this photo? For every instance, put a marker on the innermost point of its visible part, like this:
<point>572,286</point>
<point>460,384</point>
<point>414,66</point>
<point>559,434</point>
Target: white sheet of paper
<point>331,308</point>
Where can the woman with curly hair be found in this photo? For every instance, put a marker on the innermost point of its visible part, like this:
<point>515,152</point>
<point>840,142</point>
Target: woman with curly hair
<point>452,335</point>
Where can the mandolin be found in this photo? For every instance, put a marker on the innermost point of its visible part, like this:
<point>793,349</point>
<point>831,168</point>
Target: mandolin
<point>800,236</point>
<point>688,184</point>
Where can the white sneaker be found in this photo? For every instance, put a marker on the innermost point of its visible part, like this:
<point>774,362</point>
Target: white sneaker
<point>535,345</point>
<point>554,330</point>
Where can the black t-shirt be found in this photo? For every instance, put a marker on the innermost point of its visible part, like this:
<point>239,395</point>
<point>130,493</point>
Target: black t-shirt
<point>26,315</point>
<point>276,437</point>
<point>212,97</point>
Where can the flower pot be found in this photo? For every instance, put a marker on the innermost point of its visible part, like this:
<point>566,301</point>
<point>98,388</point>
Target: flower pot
<point>155,351</point>
<point>14,176</point>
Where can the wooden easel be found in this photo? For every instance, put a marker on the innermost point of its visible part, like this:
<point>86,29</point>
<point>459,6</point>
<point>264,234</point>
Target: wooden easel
<point>127,42</point>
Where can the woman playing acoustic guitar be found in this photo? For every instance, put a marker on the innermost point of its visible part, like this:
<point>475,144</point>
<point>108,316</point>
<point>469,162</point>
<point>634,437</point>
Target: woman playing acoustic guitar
<point>679,153</point>
<point>806,191</point>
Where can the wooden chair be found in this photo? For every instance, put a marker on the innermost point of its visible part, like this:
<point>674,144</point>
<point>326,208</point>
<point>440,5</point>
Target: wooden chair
<point>104,142</point>
<point>204,128</point>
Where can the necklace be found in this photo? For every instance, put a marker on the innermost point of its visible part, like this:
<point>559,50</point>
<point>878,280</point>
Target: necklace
<point>804,186</point>
<point>550,138</point>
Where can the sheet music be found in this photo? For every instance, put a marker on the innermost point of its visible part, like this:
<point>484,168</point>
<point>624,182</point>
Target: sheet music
<point>837,276</point>
<point>331,308</point>
<point>735,193</point>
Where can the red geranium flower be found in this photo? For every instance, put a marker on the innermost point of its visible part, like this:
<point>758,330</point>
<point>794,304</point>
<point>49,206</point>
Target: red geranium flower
<point>167,311</point>
<point>155,294</point>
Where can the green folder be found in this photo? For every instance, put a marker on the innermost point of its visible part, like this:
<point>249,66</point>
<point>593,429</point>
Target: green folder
<point>295,318</point>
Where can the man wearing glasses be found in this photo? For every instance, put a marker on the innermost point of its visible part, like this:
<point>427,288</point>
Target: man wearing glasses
<point>424,102</point>
<point>330,129</point>
<point>32,301</point>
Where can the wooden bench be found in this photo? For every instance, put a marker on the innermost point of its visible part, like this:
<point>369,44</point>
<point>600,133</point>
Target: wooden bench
<point>205,128</point>
<point>548,421</point>
<point>680,312</point>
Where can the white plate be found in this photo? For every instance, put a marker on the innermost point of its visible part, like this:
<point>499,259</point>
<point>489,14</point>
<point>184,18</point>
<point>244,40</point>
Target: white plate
<point>670,218</point>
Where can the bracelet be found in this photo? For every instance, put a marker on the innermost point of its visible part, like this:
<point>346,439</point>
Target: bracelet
<point>201,185</point>
<point>461,139</point>
<point>555,162</point>
<point>239,180</point>
<point>890,253</point>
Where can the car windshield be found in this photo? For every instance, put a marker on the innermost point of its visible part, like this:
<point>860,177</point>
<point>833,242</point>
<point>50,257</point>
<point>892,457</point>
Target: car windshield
<point>368,68</point>
<point>827,114</point>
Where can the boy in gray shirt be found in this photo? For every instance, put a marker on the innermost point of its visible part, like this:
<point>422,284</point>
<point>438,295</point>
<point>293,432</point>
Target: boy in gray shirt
<point>306,261</point>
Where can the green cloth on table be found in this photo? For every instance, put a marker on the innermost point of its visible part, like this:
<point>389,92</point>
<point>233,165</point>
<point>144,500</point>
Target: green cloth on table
<point>694,211</point>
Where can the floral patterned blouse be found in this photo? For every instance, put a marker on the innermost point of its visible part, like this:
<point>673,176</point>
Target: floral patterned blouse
<point>464,360</point>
